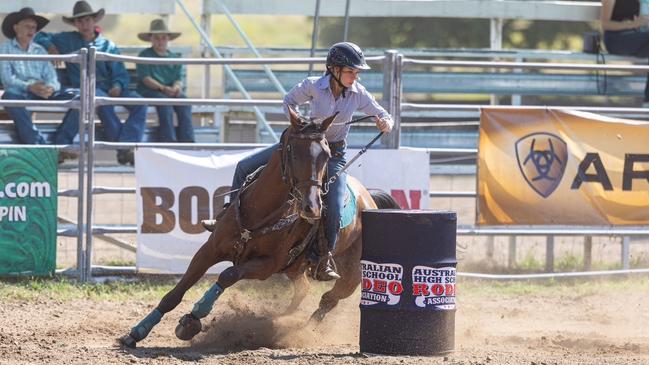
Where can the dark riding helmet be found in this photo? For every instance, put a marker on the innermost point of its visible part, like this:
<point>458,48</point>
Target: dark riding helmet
<point>346,54</point>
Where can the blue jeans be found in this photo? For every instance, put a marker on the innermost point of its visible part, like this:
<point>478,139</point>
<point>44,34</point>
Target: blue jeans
<point>133,128</point>
<point>633,42</point>
<point>166,131</point>
<point>334,200</point>
<point>27,131</point>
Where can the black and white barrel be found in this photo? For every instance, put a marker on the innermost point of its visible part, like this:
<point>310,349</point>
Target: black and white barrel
<point>408,282</point>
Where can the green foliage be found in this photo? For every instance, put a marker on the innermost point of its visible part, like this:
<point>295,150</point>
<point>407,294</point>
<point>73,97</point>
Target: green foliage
<point>544,34</point>
<point>118,262</point>
<point>443,33</point>
<point>568,288</point>
<point>63,289</point>
<point>530,263</point>
<point>407,32</point>
<point>569,262</point>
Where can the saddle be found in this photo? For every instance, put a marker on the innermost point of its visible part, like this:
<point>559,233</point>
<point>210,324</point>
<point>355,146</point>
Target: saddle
<point>315,243</point>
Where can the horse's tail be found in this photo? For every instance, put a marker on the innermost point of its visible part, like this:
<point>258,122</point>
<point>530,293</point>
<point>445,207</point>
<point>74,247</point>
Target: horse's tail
<point>384,200</point>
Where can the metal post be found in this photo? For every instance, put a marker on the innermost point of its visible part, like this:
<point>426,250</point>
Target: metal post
<point>314,35</point>
<point>490,248</point>
<point>83,117</point>
<point>511,261</point>
<point>495,43</point>
<point>516,98</point>
<point>346,28</point>
<point>549,254</point>
<point>388,71</point>
<point>588,252</point>
<point>392,70</point>
<point>206,25</point>
<point>92,80</point>
<point>626,252</point>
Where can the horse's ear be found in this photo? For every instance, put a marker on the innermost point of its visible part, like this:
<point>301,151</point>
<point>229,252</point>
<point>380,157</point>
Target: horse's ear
<point>293,117</point>
<point>327,122</point>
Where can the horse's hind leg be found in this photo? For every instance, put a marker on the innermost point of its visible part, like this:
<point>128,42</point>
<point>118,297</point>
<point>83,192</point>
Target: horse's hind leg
<point>349,269</point>
<point>190,324</point>
<point>204,258</point>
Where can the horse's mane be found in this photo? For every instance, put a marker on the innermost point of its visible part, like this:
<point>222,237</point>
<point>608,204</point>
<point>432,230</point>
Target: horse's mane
<point>306,127</point>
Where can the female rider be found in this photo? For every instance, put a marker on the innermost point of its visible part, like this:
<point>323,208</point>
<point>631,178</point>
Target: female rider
<point>337,91</point>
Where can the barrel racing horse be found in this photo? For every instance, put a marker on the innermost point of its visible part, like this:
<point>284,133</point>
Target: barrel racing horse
<point>268,229</point>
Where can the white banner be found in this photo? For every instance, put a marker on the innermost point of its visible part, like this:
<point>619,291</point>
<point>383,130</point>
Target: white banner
<point>177,188</point>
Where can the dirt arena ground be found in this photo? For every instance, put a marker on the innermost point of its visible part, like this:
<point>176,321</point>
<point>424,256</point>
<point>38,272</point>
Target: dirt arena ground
<point>591,322</point>
<point>602,322</point>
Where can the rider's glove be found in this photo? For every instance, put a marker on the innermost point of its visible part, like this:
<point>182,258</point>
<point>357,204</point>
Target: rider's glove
<point>384,124</point>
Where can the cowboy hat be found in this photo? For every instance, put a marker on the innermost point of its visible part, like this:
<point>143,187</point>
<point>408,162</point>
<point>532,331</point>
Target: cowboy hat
<point>158,26</point>
<point>81,9</point>
<point>15,17</point>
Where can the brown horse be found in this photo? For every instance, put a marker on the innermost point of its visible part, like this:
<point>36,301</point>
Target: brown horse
<point>266,229</point>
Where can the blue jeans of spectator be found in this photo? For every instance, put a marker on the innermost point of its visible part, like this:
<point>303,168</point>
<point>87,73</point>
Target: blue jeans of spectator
<point>334,200</point>
<point>166,131</point>
<point>133,128</point>
<point>632,42</point>
<point>27,131</point>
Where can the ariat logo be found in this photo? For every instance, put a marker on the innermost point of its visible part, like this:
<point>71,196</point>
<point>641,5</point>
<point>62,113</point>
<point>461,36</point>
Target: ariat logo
<point>542,159</point>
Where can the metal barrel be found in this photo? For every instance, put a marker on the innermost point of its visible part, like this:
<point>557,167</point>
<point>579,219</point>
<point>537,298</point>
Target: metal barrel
<point>408,282</point>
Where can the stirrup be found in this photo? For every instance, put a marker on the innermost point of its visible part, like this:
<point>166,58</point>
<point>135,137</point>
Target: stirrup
<point>326,269</point>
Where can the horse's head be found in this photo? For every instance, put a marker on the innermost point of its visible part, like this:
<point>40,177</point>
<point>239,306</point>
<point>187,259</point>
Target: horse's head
<point>304,162</point>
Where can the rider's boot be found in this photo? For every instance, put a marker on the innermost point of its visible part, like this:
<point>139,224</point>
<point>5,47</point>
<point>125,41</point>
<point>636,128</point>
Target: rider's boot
<point>326,269</point>
<point>210,224</point>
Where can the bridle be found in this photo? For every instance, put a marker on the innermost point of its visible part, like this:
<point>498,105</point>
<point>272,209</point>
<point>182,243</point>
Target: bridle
<point>287,152</point>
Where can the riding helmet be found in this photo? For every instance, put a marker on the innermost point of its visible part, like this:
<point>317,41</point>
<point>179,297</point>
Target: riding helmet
<point>346,54</point>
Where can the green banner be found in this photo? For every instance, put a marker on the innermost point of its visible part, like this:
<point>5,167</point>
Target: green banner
<point>28,201</point>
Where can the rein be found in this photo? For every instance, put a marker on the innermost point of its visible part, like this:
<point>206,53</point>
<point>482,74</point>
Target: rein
<point>283,221</point>
<point>360,119</point>
<point>294,194</point>
<point>362,151</point>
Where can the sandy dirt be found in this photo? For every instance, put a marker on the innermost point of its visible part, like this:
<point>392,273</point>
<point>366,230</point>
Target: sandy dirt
<point>544,327</point>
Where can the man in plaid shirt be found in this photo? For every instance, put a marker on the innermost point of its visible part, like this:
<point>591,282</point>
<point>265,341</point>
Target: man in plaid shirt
<point>33,80</point>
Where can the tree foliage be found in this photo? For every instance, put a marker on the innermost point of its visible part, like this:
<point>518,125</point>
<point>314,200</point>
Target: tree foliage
<point>452,33</point>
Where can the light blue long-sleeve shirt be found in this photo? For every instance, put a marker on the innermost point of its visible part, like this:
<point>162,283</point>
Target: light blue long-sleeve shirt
<point>109,73</point>
<point>317,92</point>
<point>17,76</point>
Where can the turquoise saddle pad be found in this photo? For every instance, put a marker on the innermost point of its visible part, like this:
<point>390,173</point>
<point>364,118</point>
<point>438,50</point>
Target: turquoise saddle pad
<point>349,209</point>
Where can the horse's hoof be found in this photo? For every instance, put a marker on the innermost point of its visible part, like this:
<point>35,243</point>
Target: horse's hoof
<point>128,341</point>
<point>316,317</point>
<point>188,327</point>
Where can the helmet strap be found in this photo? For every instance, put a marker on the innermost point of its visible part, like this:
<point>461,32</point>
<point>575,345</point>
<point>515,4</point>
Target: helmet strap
<point>330,72</point>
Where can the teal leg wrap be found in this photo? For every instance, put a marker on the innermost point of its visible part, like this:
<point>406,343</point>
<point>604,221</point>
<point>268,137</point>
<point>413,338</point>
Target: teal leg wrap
<point>204,306</point>
<point>142,329</point>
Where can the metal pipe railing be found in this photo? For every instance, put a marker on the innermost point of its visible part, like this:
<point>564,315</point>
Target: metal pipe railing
<point>92,84</point>
<point>81,59</point>
<point>88,102</point>
<point>529,65</point>
<point>478,107</point>
<point>84,118</point>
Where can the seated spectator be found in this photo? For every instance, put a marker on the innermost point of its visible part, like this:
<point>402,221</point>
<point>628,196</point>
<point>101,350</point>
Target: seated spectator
<point>626,31</point>
<point>112,77</point>
<point>33,80</point>
<point>165,81</point>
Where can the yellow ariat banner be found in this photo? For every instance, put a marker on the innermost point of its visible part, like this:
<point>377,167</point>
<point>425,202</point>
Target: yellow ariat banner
<point>558,167</point>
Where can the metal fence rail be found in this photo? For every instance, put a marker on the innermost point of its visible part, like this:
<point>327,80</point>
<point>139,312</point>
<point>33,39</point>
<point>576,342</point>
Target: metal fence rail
<point>393,64</point>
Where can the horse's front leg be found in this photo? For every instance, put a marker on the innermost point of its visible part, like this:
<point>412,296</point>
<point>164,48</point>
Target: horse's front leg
<point>300,290</point>
<point>190,324</point>
<point>204,258</point>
